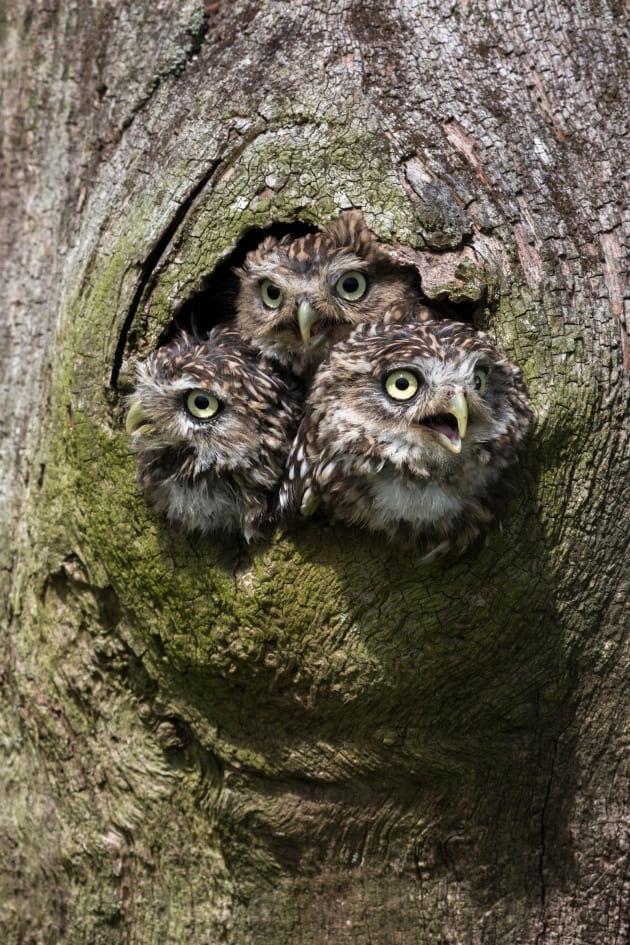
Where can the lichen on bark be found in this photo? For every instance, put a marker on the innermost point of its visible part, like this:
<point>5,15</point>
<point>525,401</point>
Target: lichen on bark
<point>322,657</point>
<point>311,739</point>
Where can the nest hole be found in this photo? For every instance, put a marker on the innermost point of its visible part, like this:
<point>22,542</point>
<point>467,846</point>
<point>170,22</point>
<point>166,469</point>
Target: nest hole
<point>215,302</point>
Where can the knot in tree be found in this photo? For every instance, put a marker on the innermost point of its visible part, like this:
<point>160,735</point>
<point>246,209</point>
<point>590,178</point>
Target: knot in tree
<point>255,689</point>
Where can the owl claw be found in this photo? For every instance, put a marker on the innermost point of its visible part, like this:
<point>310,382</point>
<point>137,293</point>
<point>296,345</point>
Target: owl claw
<point>310,503</point>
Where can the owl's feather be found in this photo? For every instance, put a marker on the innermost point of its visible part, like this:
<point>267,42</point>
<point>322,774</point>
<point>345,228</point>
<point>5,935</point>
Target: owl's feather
<point>425,467</point>
<point>312,314</point>
<point>216,473</point>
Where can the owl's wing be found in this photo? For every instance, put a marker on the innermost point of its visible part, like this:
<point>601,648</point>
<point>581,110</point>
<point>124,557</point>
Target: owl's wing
<point>297,492</point>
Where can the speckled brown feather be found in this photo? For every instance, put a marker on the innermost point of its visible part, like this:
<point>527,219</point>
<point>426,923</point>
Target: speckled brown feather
<point>372,461</point>
<point>216,475</point>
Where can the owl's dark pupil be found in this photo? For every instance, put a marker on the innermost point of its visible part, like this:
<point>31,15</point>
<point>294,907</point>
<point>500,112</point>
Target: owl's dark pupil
<point>351,284</point>
<point>477,382</point>
<point>401,383</point>
<point>201,402</point>
<point>273,292</point>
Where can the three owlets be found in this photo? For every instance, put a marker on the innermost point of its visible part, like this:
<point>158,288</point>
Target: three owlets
<point>333,387</point>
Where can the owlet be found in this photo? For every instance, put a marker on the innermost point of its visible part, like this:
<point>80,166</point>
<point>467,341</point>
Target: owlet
<point>211,427</point>
<point>407,430</point>
<point>300,296</point>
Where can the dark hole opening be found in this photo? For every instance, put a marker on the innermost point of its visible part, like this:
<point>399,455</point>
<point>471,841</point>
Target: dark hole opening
<point>215,302</point>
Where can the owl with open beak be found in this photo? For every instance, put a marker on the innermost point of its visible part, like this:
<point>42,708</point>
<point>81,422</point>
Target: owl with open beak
<point>407,430</point>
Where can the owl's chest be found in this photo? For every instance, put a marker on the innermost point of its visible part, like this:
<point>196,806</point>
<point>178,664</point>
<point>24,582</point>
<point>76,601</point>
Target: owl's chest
<point>420,503</point>
<point>201,504</point>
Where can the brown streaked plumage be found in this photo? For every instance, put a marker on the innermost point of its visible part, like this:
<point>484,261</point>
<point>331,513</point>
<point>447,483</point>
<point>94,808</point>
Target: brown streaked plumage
<point>407,430</point>
<point>300,296</point>
<point>211,425</point>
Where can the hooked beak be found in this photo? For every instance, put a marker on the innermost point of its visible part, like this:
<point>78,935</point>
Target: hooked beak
<point>442,426</point>
<point>136,418</point>
<point>457,406</point>
<point>307,316</point>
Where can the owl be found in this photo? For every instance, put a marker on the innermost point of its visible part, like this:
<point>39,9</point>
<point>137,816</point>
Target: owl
<point>211,426</point>
<point>407,430</point>
<point>300,296</point>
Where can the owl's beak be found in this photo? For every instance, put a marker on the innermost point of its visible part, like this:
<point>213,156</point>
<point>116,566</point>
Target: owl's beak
<point>457,406</point>
<point>136,418</point>
<point>307,316</point>
<point>442,426</point>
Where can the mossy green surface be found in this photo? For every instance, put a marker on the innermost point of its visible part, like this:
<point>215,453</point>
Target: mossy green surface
<point>312,739</point>
<point>324,655</point>
<point>323,629</point>
<point>277,682</point>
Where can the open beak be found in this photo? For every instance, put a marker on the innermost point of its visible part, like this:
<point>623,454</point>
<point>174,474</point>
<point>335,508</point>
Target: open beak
<point>450,424</point>
<point>457,406</point>
<point>136,418</point>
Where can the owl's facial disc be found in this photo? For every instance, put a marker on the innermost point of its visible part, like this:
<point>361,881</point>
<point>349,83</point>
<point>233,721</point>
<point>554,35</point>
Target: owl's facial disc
<point>450,426</point>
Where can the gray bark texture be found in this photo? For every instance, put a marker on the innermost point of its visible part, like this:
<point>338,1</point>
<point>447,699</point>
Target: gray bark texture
<point>313,740</point>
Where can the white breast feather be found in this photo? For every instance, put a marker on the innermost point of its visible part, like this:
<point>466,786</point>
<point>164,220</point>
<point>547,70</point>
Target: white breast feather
<point>198,509</point>
<point>420,503</point>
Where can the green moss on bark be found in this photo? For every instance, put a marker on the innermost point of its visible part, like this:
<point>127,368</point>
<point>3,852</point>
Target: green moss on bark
<point>320,659</point>
<point>268,616</point>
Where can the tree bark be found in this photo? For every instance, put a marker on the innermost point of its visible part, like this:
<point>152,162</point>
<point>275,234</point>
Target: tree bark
<point>315,739</point>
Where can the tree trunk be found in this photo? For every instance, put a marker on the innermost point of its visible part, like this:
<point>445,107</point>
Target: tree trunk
<point>315,739</point>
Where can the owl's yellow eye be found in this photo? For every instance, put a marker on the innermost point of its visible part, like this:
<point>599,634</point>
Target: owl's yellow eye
<point>201,404</point>
<point>351,286</point>
<point>481,380</point>
<point>401,385</point>
<point>271,295</point>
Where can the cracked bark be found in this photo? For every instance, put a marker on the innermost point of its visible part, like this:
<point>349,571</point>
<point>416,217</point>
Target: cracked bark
<point>312,740</point>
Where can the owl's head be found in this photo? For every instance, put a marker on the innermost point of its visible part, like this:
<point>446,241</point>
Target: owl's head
<point>436,398</point>
<point>300,296</point>
<point>211,407</point>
